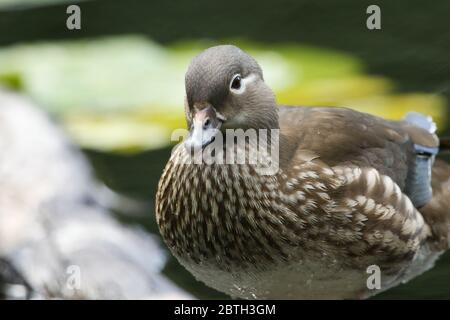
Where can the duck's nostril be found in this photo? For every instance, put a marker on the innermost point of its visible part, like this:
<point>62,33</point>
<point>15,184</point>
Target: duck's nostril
<point>207,123</point>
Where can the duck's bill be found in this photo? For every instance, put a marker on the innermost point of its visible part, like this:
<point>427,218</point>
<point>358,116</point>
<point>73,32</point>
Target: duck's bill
<point>206,125</point>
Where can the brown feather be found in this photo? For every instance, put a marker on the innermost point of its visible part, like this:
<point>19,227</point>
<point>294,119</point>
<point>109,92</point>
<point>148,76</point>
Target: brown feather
<point>338,204</point>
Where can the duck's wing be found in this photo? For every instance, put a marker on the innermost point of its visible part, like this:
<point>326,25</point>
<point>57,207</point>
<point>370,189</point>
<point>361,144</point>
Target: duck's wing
<point>403,150</point>
<point>421,131</point>
<point>359,169</point>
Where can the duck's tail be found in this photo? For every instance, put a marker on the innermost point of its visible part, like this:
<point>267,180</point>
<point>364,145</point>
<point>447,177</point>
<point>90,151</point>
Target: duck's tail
<point>437,212</point>
<point>444,145</point>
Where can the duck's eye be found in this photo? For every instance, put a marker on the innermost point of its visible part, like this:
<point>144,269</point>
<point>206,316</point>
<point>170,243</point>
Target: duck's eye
<point>236,82</point>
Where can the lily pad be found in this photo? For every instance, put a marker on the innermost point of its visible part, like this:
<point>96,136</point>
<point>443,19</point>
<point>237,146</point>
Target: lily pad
<point>126,94</point>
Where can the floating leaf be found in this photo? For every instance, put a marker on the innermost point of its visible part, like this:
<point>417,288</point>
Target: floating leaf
<point>126,93</point>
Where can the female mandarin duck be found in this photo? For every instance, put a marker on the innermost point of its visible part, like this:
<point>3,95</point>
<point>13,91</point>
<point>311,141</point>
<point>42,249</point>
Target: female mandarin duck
<point>352,190</point>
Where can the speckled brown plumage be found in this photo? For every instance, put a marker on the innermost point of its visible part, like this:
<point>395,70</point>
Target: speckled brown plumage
<point>336,206</point>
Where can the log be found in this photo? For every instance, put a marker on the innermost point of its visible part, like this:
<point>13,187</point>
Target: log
<point>57,239</point>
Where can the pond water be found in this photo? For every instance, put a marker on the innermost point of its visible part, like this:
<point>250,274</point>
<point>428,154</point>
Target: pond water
<point>412,48</point>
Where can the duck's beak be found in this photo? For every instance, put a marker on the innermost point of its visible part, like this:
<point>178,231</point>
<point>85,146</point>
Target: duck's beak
<point>205,125</point>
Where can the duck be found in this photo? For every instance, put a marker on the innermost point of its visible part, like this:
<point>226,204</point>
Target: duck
<point>351,192</point>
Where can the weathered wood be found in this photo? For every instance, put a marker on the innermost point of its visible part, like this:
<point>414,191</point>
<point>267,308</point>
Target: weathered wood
<point>56,239</point>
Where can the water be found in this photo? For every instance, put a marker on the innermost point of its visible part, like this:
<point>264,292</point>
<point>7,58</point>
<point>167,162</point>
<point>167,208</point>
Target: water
<point>412,48</point>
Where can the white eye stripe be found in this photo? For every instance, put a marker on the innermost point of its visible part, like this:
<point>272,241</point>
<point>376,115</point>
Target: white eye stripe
<point>244,81</point>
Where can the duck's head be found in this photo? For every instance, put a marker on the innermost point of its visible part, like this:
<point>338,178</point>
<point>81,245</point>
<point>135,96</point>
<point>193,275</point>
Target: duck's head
<point>225,89</point>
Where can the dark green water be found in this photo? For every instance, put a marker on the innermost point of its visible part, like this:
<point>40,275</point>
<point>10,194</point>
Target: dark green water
<point>413,49</point>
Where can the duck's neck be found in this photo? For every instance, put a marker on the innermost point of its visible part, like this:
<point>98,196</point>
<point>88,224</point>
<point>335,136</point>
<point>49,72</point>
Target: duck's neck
<point>217,211</point>
<point>226,211</point>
